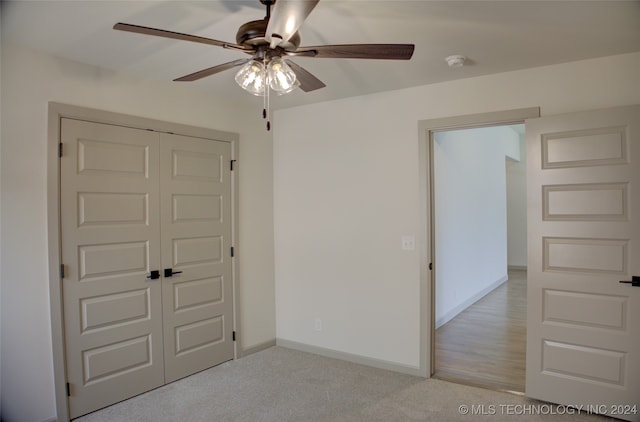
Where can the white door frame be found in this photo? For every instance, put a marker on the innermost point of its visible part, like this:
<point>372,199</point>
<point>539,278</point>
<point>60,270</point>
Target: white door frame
<point>58,111</point>
<point>426,129</point>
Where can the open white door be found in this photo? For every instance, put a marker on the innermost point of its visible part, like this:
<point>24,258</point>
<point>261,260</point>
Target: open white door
<point>583,325</point>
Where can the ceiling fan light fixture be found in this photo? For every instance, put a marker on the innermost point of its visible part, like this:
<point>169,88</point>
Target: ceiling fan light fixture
<point>269,39</point>
<point>282,79</point>
<point>251,77</point>
<point>295,85</point>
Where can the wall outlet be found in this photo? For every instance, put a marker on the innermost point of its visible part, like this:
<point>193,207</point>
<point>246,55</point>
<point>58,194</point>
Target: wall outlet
<point>408,243</point>
<point>317,324</point>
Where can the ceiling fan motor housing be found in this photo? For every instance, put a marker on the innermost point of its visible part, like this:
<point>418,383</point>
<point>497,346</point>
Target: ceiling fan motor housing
<point>252,34</point>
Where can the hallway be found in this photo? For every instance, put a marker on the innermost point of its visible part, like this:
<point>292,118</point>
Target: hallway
<point>485,345</point>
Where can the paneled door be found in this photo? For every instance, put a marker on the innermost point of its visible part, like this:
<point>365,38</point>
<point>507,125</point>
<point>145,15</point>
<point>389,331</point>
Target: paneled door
<point>110,224</point>
<point>196,244</point>
<point>146,236</point>
<point>583,325</point>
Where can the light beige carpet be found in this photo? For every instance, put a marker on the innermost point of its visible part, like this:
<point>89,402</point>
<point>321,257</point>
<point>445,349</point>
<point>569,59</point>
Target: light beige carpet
<point>280,384</point>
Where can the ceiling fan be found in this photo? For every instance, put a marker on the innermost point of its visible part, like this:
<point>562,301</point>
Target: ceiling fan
<point>267,41</point>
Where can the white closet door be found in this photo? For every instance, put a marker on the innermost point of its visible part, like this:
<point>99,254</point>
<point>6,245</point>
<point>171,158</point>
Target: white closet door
<point>110,243</point>
<point>196,247</point>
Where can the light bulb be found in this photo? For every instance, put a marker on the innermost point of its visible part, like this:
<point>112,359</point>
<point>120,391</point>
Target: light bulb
<point>251,77</point>
<point>281,78</point>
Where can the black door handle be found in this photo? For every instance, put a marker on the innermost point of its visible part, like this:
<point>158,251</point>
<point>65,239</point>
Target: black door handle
<point>635,281</point>
<point>154,275</point>
<point>168,272</point>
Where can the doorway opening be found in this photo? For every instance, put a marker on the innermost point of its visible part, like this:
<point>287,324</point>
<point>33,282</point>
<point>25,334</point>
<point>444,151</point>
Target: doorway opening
<point>479,250</point>
<point>581,236</point>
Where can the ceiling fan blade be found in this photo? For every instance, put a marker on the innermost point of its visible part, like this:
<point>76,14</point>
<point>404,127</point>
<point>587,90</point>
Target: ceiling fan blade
<point>358,51</point>
<point>286,18</point>
<point>308,82</point>
<point>211,71</point>
<point>176,35</point>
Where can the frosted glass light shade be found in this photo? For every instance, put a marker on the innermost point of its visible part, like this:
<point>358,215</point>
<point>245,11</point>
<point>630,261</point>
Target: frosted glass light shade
<point>251,77</point>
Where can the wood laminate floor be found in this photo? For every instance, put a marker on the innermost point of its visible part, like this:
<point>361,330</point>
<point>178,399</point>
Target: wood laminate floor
<point>485,344</point>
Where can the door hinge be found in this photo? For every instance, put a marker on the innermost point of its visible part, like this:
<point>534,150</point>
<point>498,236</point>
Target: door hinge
<point>231,164</point>
<point>60,150</point>
<point>233,336</point>
<point>431,265</point>
<point>232,252</point>
<point>68,387</point>
<point>61,270</point>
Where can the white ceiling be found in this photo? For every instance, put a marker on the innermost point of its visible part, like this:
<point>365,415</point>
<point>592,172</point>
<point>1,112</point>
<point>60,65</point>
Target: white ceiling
<point>496,36</point>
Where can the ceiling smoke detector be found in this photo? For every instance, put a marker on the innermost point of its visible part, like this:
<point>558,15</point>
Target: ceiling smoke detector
<point>456,60</point>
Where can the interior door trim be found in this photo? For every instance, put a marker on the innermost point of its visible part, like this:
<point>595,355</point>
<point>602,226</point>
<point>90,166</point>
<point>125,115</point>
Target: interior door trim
<point>56,112</point>
<point>426,129</point>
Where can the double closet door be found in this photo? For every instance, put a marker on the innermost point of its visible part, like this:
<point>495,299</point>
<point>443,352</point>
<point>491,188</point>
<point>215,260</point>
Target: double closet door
<point>146,239</point>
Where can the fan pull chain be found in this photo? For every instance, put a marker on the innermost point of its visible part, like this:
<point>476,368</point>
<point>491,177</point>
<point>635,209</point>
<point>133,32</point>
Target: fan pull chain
<point>268,115</point>
<point>264,105</point>
<point>265,109</point>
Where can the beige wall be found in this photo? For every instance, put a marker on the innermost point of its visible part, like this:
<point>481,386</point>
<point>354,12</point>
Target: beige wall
<point>517,209</point>
<point>29,81</point>
<point>346,189</point>
<point>470,212</point>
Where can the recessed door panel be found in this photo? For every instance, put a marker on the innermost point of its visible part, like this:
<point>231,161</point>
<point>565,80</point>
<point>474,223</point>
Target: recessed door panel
<point>588,255</point>
<point>112,157</point>
<point>198,335</point>
<point>576,309</point>
<point>97,312</point>
<point>583,364</point>
<point>583,148</point>
<point>199,166</point>
<point>197,293</point>
<point>96,209</point>
<point>191,208</point>
<point>587,202</point>
<point>197,251</point>
<point>113,259</point>
<point>112,360</point>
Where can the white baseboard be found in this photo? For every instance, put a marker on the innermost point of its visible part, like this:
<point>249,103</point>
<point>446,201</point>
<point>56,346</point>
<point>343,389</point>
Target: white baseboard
<point>350,357</point>
<point>517,267</point>
<point>473,299</point>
